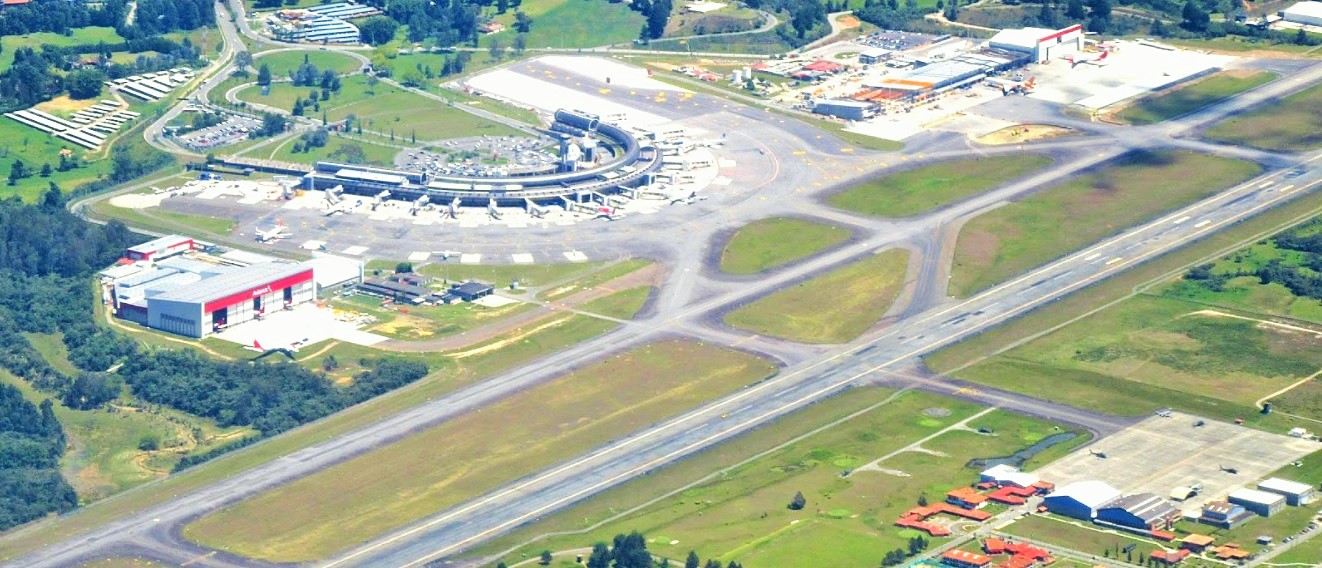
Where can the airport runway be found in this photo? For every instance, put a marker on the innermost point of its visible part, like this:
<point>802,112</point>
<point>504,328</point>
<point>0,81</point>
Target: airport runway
<point>694,297</point>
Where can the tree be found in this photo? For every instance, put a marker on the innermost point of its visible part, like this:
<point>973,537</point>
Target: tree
<point>692,561</point>
<point>17,171</point>
<point>264,75</point>
<point>922,499</point>
<point>377,30</point>
<point>404,268</point>
<point>1195,18</point>
<point>84,83</point>
<point>798,502</point>
<point>496,50</point>
<point>502,6</point>
<point>600,557</point>
<point>243,60</point>
<point>522,22</point>
<point>45,170</point>
<point>546,558</point>
<point>372,82</point>
<point>330,363</point>
<point>712,563</point>
<point>520,43</point>
<point>1075,10</point>
<point>501,565</point>
<point>272,124</point>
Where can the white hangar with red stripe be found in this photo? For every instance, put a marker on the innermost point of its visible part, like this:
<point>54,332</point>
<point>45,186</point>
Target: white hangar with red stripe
<point>229,298</point>
<point>1043,44</point>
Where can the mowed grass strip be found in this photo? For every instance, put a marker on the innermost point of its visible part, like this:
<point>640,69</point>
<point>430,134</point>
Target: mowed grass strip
<point>624,304</point>
<point>1119,194</point>
<point>1193,96</point>
<point>283,63</point>
<point>1293,123</point>
<point>919,190</point>
<point>832,308</point>
<point>769,243</point>
<point>477,452</point>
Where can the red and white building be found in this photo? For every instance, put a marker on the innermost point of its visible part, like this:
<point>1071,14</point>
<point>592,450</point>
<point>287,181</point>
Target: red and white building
<point>195,298</point>
<point>1041,43</point>
<point>157,249</point>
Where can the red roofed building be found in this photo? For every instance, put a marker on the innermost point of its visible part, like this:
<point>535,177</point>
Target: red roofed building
<point>14,2</point>
<point>964,559</point>
<point>1169,557</point>
<point>993,545</point>
<point>966,497</point>
<point>1011,495</point>
<point>823,66</point>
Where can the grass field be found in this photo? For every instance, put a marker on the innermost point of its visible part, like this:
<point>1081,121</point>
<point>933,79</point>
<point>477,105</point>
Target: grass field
<point>561,24</point>
<point>476,452</point>
<point>835,307</point>
<point>1107,199</point>
<point>1188,98</point>
<point>600,273</point>
<point>770,243</point>
<point>378,154</point>
<point>1086,538</point>
<point>1148,352</point>
<point>286,62</point>
<point>120,562</point>
<point>383,109</point>
<point>425,322</point>
<point>926,188</point>
<point>729,502</point>
<point>624,304</point>
<point>91,35</point>
<point>1293,123</point>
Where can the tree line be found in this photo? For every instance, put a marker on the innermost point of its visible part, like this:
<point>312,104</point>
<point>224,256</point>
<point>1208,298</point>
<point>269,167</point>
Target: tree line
<point>31,443</point>
<point>1300,273</point>
<point>38,75</point>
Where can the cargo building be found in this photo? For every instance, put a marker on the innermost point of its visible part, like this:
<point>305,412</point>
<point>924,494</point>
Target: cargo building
<point>1260,502</point>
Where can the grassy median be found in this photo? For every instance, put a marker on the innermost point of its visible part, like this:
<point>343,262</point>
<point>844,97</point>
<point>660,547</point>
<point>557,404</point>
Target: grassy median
<point>770,243</point>
<point>923,189</point>
<point>1193,96</point>
<point>471,454</point>
<point>835,307</point>
<point>1293,123</point>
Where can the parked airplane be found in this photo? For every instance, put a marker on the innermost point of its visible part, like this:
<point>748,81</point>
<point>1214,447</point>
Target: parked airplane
<point>608,213</point>
<point>335,201</point>
<point>287,351</point>
<point>279,232</point>
<point>1099,60</point>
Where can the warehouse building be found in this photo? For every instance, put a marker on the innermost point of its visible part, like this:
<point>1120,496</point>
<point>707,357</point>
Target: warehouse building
<point>1141,511</point>
<point>1260,502</point>
<point>874,55</point>
<point>943,75</point>
<point>1224,514</point>
<point>1006,474</point>
<point>1040,43</point>
<point>195,298</point>
<point>1295,493</point>
<point>1081,499</point>
<point>846,108</point>
<point>1304,13</point>
<point>163,247</point>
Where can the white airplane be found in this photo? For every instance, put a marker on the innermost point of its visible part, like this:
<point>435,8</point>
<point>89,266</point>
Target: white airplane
<point>336,203</point>
<point>1098,60</point>
<point>279,232</point>
<point>288,350</point>
<point>690,200</point>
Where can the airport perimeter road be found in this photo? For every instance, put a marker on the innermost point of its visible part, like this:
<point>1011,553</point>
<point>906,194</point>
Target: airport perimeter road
<point>455,530</point>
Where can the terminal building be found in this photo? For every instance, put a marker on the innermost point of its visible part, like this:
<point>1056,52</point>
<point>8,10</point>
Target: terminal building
<point>1260,502</point>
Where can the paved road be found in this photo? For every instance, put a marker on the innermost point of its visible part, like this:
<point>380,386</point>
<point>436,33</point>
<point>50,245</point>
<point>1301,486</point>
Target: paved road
<point>692,299</point>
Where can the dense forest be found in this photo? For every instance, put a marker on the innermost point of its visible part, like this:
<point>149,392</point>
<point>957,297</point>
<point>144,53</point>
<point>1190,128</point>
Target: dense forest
<point>31,442</point>
<point>1300,272</point>
<point>47,259</point>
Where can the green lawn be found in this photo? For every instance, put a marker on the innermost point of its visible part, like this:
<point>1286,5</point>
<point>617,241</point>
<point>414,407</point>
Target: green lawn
<point>1191,97</point>
<point>378,154</point>
<point>383,108</point>
<point>426,322</point>
<point>1083,537</point>
<point>624,304</point>
<point>1107,199</point>
<point>835,307</point>
<point>286,62</point>
<point>562,24</point>
<point>91,35</point>
<point>770,243</point>
<point>925,188</point>
<point>1293,123</point>
<point>1148,352</point>
<point>599,274</point>
<point>729,502</point>
<point>476,452</point>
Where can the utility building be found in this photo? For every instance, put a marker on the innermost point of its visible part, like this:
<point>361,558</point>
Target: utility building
<point>156,249</point>
<point>1006,474</point>
<point>1224,514</point>
<point>1260,502</point>
<point>846,108</point>
<point>1305,13</point>
<point>1081,499</point>
<point>1295,493</point>
<point>1142,511</point>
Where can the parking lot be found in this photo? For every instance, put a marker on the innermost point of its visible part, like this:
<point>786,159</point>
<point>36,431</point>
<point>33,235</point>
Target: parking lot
<point>234,129</point>
<point>484,156</point>
<point>1162,453</point>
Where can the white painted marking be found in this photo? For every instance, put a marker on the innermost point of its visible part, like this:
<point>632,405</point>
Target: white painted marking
<point>1265,184</point>
<point>576,256</point>
<point>470,258</point>
<point>355,250</point>
<point>1181,220</point>
<point>419,256</point>
<point>1287,189</point>
<point>1092,256</point>
<point>521,258</point>
<point>1202,223</point>
<point>1114,260</point>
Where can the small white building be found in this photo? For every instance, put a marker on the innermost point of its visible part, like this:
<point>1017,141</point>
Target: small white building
<point>1041,43</point>
<point>874,55</point>
<point>1006,474</point>
<point>1306,13</point>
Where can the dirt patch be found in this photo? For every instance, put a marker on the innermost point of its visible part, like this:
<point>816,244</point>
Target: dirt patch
<point>848,22</point>
<point>1022,133</point>
<point>979,247</point>
<point>65,105</point>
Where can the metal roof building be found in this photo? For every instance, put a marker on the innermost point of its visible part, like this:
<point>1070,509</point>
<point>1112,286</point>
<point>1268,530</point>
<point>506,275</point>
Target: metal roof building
<point>197,305</point>
<point>1139,511</point>
<point>159,248</point>
<point>1081,499</point>
<point>1260,502</point>
<point>1006,474</point>
<point>1306,13</point>
<point>1295,493</point>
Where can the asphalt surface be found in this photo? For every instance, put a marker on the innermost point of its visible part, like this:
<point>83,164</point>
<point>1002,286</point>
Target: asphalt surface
<point>796,166</point>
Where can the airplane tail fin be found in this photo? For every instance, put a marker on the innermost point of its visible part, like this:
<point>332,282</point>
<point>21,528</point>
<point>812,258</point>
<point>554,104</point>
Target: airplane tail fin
<point>1104,54</point>
<point>257,345</point>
